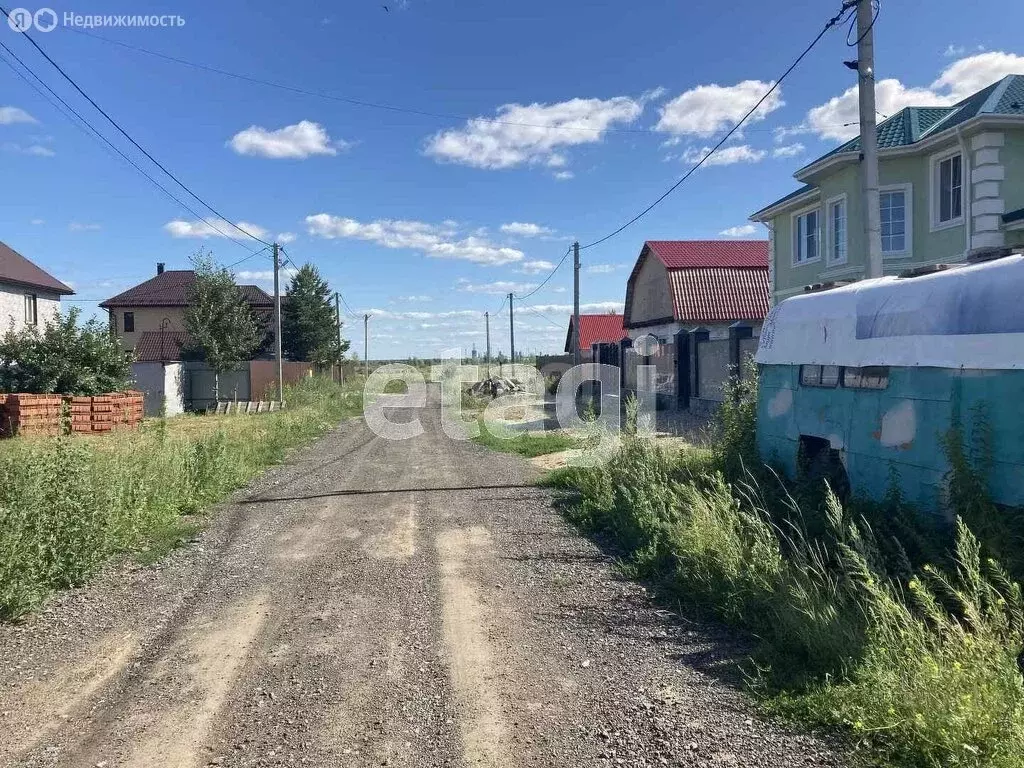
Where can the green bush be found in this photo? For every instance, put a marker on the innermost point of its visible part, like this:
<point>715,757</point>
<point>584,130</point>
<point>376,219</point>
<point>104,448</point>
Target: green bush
<point>68,504</point>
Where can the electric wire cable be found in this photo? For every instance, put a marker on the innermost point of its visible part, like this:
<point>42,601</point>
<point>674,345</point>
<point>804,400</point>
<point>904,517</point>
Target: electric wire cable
<point>828,25</point>
<point>128,136</point>
<point>546,279</point>
<point>89,129</point>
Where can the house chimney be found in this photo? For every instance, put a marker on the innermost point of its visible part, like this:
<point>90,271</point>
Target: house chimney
<point>159,267</point>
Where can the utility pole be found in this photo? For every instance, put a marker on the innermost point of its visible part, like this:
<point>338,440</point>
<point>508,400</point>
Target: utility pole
<point>366,345</point>
<point>576,303</point>
<point>277,322</point>
<point>487,355</point>
<point>511,329</point>
<point>868,136</point>
<point>337,325</point>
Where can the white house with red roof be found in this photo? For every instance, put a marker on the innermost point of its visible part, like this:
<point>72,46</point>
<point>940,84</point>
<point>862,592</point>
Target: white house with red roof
<point>710,284</point>
<point>596,329</point>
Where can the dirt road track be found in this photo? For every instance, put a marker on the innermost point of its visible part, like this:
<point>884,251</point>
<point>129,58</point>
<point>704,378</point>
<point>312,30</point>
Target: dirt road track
<point>342,613</point>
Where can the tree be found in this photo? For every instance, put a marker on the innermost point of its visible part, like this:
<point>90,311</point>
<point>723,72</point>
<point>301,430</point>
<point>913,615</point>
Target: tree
<point>222,328</point>
<point>308,329</point>
<point>64,358</point>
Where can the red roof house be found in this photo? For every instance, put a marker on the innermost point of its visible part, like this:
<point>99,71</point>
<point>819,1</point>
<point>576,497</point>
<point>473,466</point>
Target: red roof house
<point>698,283</point>
<point>596,329</point>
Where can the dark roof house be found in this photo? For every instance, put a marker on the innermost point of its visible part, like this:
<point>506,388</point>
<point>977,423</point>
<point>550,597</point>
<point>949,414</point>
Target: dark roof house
<point>170,289</point>
<point>699,282</point>
<point>15,269</point>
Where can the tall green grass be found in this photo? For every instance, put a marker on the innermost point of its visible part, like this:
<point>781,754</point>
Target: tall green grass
<point>920,665</point>
<point>69,504</point>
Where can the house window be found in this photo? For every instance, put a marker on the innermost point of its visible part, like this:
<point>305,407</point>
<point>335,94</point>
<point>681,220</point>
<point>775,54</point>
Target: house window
<point>31,309</point>
<point>837,231</point>
<point>129,322</point>
<point>819,375</point>
<point>870,377</point>
<point>949,189</point>
<point>806,232</point>
<point>893,210</point>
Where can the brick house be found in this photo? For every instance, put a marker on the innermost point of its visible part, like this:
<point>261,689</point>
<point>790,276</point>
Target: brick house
<point>150,317</point>
<point>687,296</point>
<point>28,294</point>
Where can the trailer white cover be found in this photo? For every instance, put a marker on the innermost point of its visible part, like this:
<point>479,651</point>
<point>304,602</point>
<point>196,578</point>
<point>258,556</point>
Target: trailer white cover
<point>968,317</point>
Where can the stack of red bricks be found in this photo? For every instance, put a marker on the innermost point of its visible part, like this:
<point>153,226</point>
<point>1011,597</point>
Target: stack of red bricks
<point>32,415</point>
<point>103,413</point>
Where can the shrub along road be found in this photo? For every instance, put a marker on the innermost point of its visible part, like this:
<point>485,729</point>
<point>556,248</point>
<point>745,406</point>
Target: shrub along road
<point>342,613</point>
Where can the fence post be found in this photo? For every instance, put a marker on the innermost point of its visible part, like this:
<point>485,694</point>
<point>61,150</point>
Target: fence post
<point>737,332</point>
<point>682,368</point>
<point>624,344</point>
<point>697,336</point>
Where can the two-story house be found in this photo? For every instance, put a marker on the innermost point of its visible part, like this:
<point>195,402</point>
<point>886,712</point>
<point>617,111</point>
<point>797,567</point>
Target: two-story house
<point>28,294</point>
<point>150,317</point>
<point>951,181</point>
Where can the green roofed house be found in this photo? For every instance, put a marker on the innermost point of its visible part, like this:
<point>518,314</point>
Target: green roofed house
<point>951,182</point>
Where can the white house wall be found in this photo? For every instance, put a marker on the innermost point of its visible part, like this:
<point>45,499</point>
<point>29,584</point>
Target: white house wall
<point>12,305</point>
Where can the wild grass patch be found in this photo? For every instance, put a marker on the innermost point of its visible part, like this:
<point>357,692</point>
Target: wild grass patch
<point>908,637</point>
<point>69,504</point>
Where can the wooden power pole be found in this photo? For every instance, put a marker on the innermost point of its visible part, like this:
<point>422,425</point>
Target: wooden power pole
<point>576,303</point>
<point>487,354</point>
<point>277,322</point>
<point>366,345</point>
<point>511,328</point>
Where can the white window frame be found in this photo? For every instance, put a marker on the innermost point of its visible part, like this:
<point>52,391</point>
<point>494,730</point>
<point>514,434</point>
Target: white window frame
<point>834,260</point>
<point>31,309</point>
<point>935,161</point>
<point>794,220</point>
<point>908,232</point>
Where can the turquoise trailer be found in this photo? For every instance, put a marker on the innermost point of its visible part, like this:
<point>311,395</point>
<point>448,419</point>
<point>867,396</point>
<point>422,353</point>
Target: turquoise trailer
<point>862,382</point>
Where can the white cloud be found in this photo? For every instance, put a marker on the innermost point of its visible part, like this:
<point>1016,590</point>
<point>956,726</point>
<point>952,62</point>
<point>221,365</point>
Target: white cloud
<point>438,241</point>
<point>265,275</point>
<point>37,150</point>
<point>497,287</point>
<point>536,266</point>
<point>75,226</point>
<point>525,229</point>
<point>531,134</point>
<point>415,298</point>
<point>707,109</point>
<point>603,269</point>
<point>744,230</point>
<point>789,150</point>
<point>297,142</point>
<point>838,117</point>
<point>736,153</point>
<point>955,51</point>
<point>37,222</point>
<point>597,306</point>
<point>12,115</point>
<point>286,237</point>
<point>564,175</point>
<point>204,230</point>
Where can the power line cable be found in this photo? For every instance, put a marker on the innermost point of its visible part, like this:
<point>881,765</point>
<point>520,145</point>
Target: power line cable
<point>546,279</point>
<point>90,130</point>
<point>136,144</point>
<point>362,102</point>
<point>542,315</point>
<point>828,25</point>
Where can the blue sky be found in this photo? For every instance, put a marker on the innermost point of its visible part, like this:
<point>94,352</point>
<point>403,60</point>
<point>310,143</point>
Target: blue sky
<point>595,109</point>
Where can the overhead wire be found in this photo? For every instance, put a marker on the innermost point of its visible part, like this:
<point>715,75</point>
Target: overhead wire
<point>89,129</point>
<point>838,18</point>
<point>546,279</point>
<point>128,136</point>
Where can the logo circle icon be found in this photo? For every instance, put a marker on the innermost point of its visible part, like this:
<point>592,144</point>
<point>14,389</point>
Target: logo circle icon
<point>45,19</point>
<point>20,19</point>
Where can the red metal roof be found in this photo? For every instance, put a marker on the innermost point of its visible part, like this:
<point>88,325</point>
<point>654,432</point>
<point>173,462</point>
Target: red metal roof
<point>15,268</point>
<point>719,294</point>
<point>683,254</point>
<point>170,289</point>
<point>160,346</point>
<point>597,329</point>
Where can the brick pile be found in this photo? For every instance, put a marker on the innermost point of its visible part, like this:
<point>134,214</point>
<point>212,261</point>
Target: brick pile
<point>36,415</point>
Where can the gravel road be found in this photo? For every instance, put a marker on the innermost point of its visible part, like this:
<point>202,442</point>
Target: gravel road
<point>379,603</point>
